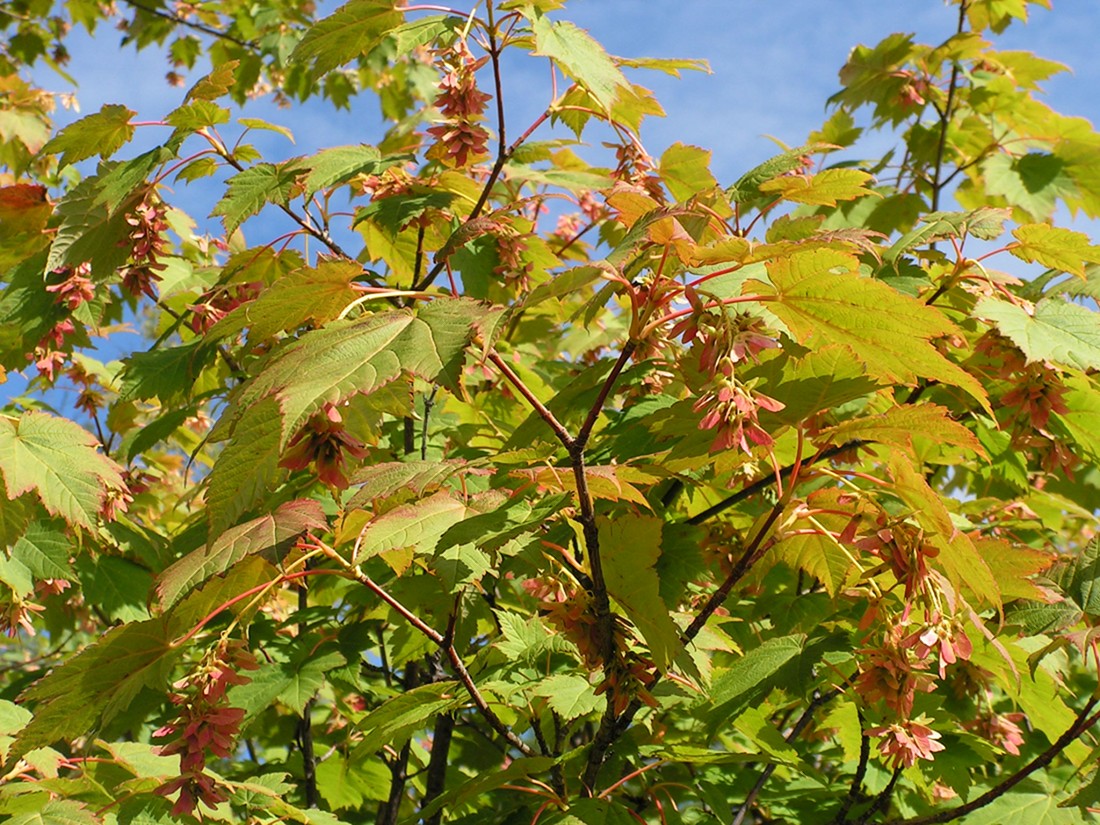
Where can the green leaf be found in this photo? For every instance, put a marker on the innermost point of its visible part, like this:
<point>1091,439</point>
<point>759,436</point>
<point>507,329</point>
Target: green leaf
<point>581,57</point>
<point>1054,247</point>
<point>685,170</point>
<point>258,123</point>
<point>1034,182</point>
<point>54,812</point>
<point>97,684</point>
<point>345,784</point>
<point>418,525</point>
<point>412,710</point>
<point>486,781</point>
<point>985,223</point>
<point>165,373</point>
<point>1033,806</point>
<point>629,549</point>
<point>1055,330</point>
<point>117,586</point>
<point>384,480</point>
<point>896,428</point>
<point>747,187</point>
<point>216,84</point>
<point>348,33</point>
<point>102,133</point>
<point>310,294</point>
<point>59,461</point>
<point>823,189</point>
<point>45,552</point>
<point>250,191</point>
<point>293,678</point>
<point>822,300</point>
<point>339,164</point>
<point>271,535</point>
<point>361,356</point>
<point>248,466</point>
<point>1079,578</point>
<point>198,114</point>
<point>749,676</point>
<point>570,695</point>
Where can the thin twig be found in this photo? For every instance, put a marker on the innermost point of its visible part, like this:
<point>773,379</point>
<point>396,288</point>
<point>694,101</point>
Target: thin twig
<point>551,420</point>
<point>191,24</point>
<point>857,780</point>
<point>1081,724</point>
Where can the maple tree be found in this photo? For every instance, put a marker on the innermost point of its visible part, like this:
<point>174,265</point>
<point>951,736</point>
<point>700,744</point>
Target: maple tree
<point>531,477</point>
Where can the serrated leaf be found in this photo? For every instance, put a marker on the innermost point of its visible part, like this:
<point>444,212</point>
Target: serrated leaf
<point>418,525</point>
<point>896,428</point>
<point>271,535</point>
<point>102,133</point>
<point>348,33</point>
<point>823,189</point>
<point>685,170</point>
<point>525,639</point>
<point>339,164</point>
<point>310,294</point>
<point>248,466</point>
<point>985,223</point>
<point>733,689</point>
<point>45,552</point>
<point>250,191</point>
<point>1035,806</point>
<point>629,549</point>
<point>96,684</point>
<point>747,187</point>
<point>1061,249</point>
<point>405,713</point>
<point>165,373</point>
<point>571,696</point>
<point>383,480</point>
<point>581,57</point>
<point>292,680</point>
<point>487,781</point>
<point>361,356</point>
<point>198,114</point>
<point>259,123</point>
<point>116,586</point>
<point>55,812</point>
<point>1079,578</point>
<point>58,460</point>
<point>216,84</point>
<point>822,300</point>
<point>1055,330</point>
<point>567,282</point>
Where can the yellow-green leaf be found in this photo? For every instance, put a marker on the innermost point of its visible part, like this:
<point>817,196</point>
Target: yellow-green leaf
<point>1054,247</point>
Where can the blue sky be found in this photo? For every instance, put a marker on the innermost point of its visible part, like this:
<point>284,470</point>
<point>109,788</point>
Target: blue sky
<point>773,66</point>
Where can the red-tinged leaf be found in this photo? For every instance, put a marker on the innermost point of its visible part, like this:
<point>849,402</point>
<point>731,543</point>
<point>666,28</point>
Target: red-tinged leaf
<point>580,57</point>
<point>316,295</point>
<point>629,549</point>
<point>1054,330</point>
<point>96,684</point>
<point>419,525</point>
<point>611,482</point>
<point>271,535</point>
<point>348,33</point>
<point>823,189</point>
<point>59,461</point>
<point>1061,249</point>
<point>216,84</point>
<point>1014,567</point>
<point>822,300</point>
<point>102,133</point>
<point>348,357</point>
<point>383,480</point>
<point>816,553</point>
<point>896,428</point>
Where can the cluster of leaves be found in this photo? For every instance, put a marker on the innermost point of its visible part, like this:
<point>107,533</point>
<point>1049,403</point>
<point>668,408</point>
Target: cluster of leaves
<point>682,502</point>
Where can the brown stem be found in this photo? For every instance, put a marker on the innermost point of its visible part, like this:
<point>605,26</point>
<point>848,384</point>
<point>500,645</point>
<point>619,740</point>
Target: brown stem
<point>857,781</point>
<point>389,810</point>
<point>594,413</point>
<point>305,724</point>
<point>551,420</point>
<point>945,116</point>
<point>1081,724</point>
<point>882,801</point>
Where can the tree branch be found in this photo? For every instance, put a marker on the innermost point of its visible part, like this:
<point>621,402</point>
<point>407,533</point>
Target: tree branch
<point>857,780</point>
<point>191,24</point>
<point>1081,724</point>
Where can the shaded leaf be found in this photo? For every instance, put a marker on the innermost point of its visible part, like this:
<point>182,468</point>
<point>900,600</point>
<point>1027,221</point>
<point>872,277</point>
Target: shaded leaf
<point>348,33</point>
<point>58,460</point>
<point>629,548</point>
<point>271,535</point>
<point>1055,330</point>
